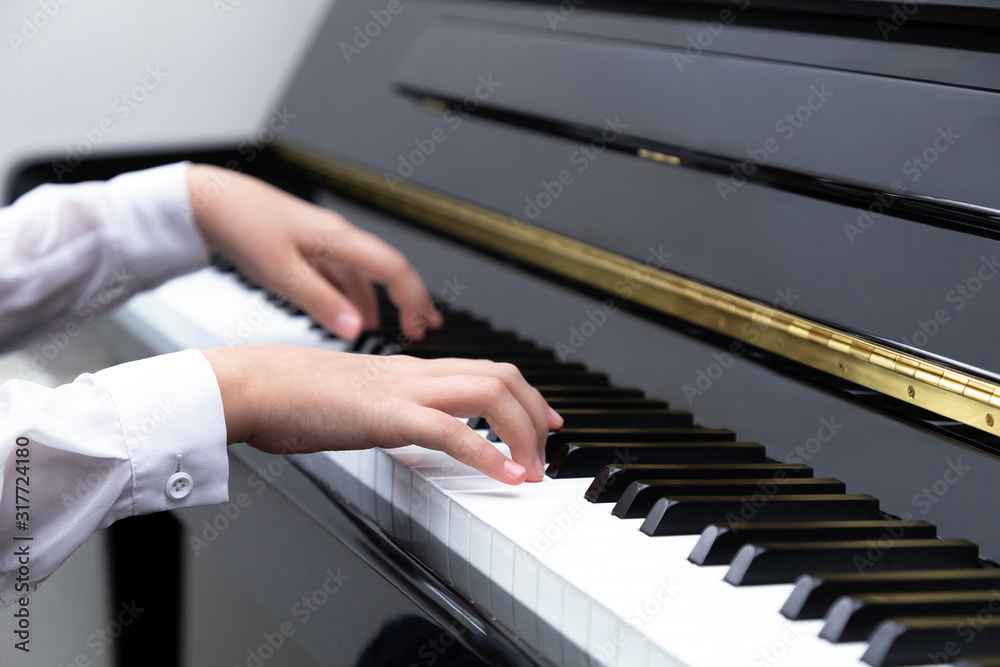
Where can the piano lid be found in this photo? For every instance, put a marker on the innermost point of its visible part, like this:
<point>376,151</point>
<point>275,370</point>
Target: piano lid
<point>828,199</point>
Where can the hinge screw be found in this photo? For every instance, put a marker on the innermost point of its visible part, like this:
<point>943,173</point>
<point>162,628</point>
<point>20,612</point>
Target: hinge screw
<point>989,420</point>
<point>911,391</point>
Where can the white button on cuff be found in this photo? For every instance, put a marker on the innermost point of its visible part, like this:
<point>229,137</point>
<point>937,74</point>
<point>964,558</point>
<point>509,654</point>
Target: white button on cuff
<point>179,485</point>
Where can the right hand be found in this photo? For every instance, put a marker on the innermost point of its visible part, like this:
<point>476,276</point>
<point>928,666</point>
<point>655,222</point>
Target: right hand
<point>285,400</point>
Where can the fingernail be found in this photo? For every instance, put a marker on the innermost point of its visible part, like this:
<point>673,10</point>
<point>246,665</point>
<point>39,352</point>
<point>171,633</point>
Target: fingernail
<point>556,416</point>
<point>540,468</point>
<point>513,469</point>
<point>347,324</point>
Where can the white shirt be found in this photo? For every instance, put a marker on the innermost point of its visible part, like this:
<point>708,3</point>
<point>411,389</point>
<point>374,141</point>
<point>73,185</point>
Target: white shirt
<point>103,447</point>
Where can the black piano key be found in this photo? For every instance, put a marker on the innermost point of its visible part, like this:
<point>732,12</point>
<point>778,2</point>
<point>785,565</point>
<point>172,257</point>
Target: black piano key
<point>719,543</point>
<point>628,435</point>
<point>577,404</point>
<point>689,515</point>
<point>587,459</point>
<point>460,348</point>
<point>814,593</point>
<point>576,391</point>
<point>937,639</point>
<point>495,353</point>
<point>624,418</point>
<point>852,619</point>
<point>612,480</point>
<point>779,563</point>
<point>641,495</point>
<point>570,403</point>
<point>557,376</point>
<point>631,420</point>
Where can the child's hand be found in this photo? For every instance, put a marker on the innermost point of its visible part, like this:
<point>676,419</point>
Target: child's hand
<point>285,400</point>
<point>311,255</point>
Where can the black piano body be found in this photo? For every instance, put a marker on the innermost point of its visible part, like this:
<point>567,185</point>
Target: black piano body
<point>836,163</point>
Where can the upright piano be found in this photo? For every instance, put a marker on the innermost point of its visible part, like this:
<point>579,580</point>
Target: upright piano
<point>747,247</point>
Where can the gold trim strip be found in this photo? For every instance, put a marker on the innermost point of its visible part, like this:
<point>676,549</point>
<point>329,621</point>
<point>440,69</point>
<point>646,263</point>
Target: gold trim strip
<point>931,386</point>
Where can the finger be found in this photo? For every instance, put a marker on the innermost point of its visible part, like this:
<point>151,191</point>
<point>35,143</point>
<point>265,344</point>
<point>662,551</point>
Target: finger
<point>359,291</point>
<point>487,396</point>
<point>436,430</point>
<point>527,396</point>
<point>382,263</point>
<point>318,297</point>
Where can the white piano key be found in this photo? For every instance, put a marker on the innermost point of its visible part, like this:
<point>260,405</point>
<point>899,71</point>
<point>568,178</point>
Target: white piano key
<point>366,482</point>
<point>633,649</point>
<point>480,554</point>
<point>458,543</point>
<point>420,513</point>
<point>502,579</point>
<point>550,614</point>
<point>438,522</point>
<point>575,625</point>
<point>604,635</point>
<point>401,499</point>
<point>525,594</point>
<point>383,491</point>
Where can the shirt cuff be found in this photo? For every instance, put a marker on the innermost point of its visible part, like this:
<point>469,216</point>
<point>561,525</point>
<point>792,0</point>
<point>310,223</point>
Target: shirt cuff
<point>171,406</point>
<point>152,214</point>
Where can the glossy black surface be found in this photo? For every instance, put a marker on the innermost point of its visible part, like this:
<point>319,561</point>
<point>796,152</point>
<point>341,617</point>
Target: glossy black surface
<point>719,542</point>
<point>779,562</point>
<point>689,515</point>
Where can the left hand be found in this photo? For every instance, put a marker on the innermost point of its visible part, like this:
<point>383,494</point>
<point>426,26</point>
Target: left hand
<point>309,254</point>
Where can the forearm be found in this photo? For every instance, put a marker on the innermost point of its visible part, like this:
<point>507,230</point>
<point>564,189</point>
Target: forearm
<point>69,253</point>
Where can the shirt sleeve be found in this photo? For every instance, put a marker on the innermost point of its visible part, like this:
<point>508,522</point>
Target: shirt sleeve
<point>104,447</point>
<point>69,253</point>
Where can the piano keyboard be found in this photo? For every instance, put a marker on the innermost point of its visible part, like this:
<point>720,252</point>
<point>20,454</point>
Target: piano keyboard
<point>652,541</point>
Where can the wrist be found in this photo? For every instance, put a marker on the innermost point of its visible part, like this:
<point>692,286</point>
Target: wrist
<point>206,185</point>
<point>234,378</point>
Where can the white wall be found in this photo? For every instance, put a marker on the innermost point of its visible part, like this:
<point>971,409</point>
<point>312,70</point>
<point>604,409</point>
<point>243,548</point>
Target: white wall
<point>64,71</point>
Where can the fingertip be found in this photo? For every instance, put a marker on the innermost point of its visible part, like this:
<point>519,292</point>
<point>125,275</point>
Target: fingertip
<point>555,419</point>
<point>347,324</point>
<point>515,472</point>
